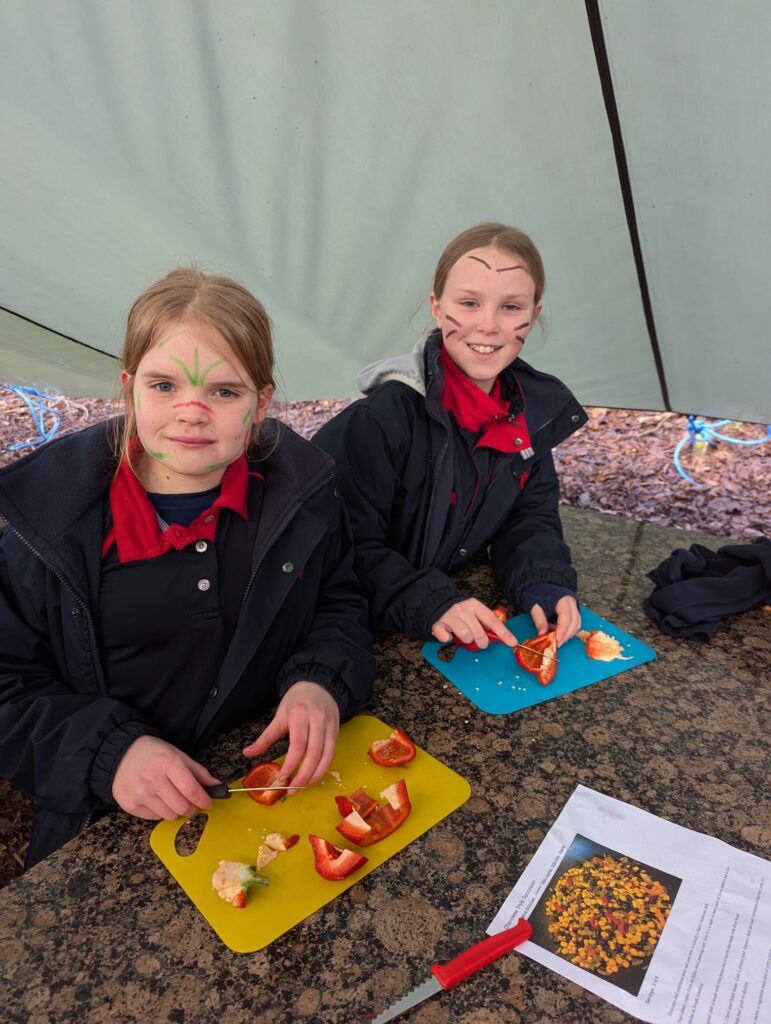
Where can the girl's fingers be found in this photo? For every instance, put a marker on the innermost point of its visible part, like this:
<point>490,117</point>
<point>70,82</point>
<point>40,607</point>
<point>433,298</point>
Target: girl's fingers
<point>539,619</point>
<point>441,633</point>
<point>273,731</point>
<point>298,742</point>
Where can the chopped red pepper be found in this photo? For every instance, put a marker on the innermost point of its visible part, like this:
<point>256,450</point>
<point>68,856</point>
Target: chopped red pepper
<point>539,656</point>
<point>397,749</point>
<point>332,862</point>
<point>501,613</point>
<point>366,830</point>
<point>359,801</point>
<point>264,775</point>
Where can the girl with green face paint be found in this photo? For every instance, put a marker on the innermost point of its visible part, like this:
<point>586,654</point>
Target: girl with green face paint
<point>195,570</point>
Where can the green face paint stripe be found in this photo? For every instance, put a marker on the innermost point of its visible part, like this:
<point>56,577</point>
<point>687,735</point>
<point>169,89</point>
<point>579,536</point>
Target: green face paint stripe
<point>196,377</point>
<point>176,334</point>
<point>208,368</point>
<point>137,401</point>
<point>247,417</point>
<point>156,455</point>
<point>215,465</point>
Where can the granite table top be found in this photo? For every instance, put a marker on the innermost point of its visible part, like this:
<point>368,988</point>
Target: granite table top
<point>101,932</point>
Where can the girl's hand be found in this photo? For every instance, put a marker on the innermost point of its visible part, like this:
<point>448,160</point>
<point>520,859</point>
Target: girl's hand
<point>155,780</point>
<point>311,716</point>
<point>467,620</point>
<point>568,619</point>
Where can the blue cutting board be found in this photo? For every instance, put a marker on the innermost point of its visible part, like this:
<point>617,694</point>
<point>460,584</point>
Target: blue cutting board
<point>495,681</point>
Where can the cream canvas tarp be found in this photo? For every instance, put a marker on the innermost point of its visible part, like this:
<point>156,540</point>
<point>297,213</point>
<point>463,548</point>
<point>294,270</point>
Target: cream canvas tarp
<point>324,151</point>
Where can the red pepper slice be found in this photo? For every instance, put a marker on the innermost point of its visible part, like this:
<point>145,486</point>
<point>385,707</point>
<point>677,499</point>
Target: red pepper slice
<point>501,613</point>
<point>359,801</point>
<point>397,749</point>
<point>530,656</point>
<point>264,774</point>
<point>381,822</point>
<point>333,862</point>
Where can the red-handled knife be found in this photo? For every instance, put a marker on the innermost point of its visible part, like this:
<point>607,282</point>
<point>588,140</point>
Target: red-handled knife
<point>449,974</point>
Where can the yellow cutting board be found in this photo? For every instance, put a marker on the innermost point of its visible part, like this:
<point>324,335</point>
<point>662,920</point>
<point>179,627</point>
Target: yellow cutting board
<point>236,827</point>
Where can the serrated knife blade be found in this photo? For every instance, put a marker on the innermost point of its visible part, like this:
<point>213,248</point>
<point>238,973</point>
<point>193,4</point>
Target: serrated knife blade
<point>466,963</point>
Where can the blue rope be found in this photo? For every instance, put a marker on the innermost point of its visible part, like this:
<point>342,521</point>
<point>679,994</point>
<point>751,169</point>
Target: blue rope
<point>38,410</point>
<point>707,433</point>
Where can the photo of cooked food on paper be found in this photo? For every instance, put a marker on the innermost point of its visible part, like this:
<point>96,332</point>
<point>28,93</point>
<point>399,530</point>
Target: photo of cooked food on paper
<point>604,912</point>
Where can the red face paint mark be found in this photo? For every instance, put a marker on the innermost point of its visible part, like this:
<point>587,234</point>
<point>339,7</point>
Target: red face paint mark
<point>480,260</point>
<point>198,405</point>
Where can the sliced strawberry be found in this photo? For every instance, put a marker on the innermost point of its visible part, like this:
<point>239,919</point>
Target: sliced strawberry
<point>332,862</point>
<point>397,749</point>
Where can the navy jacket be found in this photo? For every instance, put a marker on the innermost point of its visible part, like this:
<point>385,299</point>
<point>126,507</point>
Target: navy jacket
<point>394,456</point>
<point>304,617</point>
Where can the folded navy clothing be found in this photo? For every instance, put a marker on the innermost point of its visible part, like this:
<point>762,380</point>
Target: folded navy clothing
<point>696,589</point>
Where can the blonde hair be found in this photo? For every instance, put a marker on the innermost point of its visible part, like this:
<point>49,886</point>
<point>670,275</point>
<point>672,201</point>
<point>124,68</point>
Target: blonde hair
<point>191,296</point>
<point>511,240</point>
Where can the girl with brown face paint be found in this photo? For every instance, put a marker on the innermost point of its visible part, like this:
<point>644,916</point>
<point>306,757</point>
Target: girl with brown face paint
<point>195,569</point>
<point>449,455</point>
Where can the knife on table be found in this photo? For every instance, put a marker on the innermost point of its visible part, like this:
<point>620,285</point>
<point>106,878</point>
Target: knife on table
<point>222,792</point>
<point>447,975</point>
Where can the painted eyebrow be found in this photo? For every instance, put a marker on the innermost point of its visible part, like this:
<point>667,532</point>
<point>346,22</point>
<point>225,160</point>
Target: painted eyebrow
<point>480,260</point>
<point>501,270</point>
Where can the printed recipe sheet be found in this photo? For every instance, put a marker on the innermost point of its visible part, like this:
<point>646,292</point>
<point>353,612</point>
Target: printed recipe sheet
<point>670,925</point>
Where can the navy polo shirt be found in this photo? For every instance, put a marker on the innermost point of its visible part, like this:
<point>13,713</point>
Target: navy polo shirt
<point>166,619</point>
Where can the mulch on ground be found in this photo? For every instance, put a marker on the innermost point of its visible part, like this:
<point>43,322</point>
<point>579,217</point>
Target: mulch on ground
<point>620,463</point>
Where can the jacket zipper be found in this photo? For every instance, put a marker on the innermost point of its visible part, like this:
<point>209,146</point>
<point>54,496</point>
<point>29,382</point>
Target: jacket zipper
<point>80,603</point>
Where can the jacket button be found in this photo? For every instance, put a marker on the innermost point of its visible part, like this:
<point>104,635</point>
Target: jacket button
<point>75,610</point>
<point>463,552</point>
<point>203,584</point>
<point>517,441</point>
<point>213,692</point>
<point>288,567</point>
<point>201,546</point>
<point>209,519</point>
<point>575,419</point>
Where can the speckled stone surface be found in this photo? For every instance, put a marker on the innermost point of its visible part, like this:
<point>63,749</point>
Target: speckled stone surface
<point>101,932</point>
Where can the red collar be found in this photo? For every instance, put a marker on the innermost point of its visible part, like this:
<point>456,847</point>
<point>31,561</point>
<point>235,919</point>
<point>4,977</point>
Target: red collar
<point>475,410</point>
<point>136,530</point>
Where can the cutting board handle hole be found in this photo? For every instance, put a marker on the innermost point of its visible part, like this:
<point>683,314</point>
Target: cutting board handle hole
<point>446,653</point>
<point>189,835</point>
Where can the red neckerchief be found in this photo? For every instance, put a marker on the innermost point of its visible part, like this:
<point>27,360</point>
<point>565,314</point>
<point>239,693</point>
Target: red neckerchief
<point>475,410</point>
<point>136,530</point>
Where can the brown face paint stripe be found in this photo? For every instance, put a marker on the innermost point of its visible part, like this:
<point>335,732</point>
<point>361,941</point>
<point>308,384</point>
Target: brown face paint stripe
<point>500,270</point>
<point>480,260</point>
<point>453,320</point>
<point>518,337</point>
<point>522,325</point>
<point>450,334</point>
